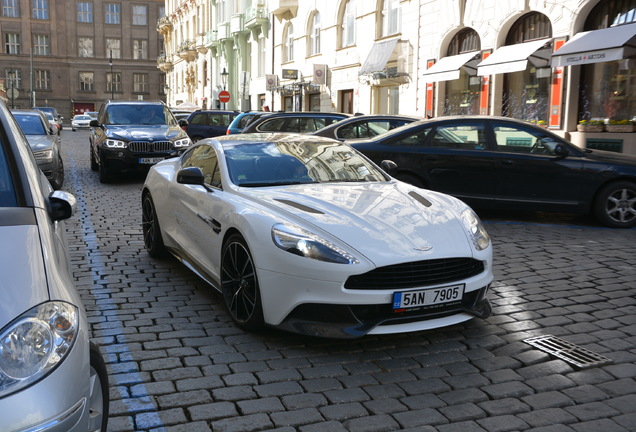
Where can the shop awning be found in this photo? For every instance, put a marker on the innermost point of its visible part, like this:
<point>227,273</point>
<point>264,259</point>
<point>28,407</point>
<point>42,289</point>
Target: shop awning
<point>596,46</point>
<point>448,68</point>
<point>515,58</point>
<point>378,56</point>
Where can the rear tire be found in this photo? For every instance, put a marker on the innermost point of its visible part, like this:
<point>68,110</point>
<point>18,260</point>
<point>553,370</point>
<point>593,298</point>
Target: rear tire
<point>58,176</point>
<point>99,399</point>
<point>153,241</point>
<point>615,205</point>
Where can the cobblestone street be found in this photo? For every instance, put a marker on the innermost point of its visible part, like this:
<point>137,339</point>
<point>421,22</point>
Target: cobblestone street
<point>178,363</point>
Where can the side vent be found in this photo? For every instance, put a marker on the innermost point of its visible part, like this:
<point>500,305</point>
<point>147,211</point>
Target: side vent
<point>419,198</point>
<point>299,206</point>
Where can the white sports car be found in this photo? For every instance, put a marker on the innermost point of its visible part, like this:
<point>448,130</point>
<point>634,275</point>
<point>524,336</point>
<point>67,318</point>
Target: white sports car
<point>306,234</point>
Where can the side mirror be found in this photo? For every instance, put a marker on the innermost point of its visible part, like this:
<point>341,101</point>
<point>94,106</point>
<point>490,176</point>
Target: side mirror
<point>190,176</point>
<point>94,123</point>
<point>62,205</point>
<point>561,150</point>
<point>390,167</point>
<point>183,122</point>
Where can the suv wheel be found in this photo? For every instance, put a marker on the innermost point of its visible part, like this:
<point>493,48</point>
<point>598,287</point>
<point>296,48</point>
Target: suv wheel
<point>103,172</point>
<point>94,165</point>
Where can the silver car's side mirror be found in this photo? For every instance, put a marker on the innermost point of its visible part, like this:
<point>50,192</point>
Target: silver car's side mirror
<point>62,205</point>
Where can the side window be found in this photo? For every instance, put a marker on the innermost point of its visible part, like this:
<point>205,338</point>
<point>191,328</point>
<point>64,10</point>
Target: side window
<point>348,131</point>
<point>204,157</point>
<point>198,119</point>
<point>416,139</point>
<point>272,125</point>
<point>468,136</point>
<point>513,138</point>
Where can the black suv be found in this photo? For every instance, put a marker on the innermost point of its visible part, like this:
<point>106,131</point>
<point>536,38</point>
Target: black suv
<point>208,123</point>
<point>132,135</point>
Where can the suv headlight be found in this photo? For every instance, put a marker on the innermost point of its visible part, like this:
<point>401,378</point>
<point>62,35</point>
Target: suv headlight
<point>304,243</point>
<point>43,155</point>
<point>111,143</point>
<point>185,142</point>
<point>476,230</point>
<point>35,343</point>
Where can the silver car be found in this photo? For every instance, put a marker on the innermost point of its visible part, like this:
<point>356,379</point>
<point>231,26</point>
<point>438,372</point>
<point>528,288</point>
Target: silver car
<point>51,377</point>
<point>45,143</point>
<point>81,121</point>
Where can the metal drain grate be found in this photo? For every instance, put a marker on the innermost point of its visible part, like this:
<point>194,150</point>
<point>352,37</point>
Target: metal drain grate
<point>566,351</point>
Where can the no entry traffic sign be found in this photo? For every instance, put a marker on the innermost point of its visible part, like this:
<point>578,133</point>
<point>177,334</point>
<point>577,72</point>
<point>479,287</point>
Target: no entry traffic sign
<point>224,96</point>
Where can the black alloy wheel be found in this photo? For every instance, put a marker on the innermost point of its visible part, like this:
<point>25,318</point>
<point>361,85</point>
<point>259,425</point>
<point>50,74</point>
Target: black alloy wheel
<point>616,205</point>
<point>239,285</point>
<point>153,241</point>
<point>58,175</point>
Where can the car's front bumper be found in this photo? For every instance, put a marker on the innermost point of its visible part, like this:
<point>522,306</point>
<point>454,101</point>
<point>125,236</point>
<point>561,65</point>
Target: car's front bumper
<point>326,308</point>
<point>123,159</point>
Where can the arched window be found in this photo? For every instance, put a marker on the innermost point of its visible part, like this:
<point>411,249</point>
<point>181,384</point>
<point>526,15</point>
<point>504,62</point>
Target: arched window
<point>390,17</point>
<point>348,24</point>
<point>288,52</point>
<point>462,94</point>
<point>314,34</point>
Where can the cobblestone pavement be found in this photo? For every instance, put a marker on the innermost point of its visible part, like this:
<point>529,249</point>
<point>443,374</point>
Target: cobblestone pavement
<point>177,363</point>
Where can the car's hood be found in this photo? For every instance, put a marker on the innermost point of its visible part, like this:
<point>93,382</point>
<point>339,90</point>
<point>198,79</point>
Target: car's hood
<point>610,157</point>
<point>23,282</point>
<point>146,132</point>
<point>40,142</point>
<point>385,221</point>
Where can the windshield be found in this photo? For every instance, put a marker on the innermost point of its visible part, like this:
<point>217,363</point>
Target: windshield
<point>279,163</point>
<point>30,124</point>
<point>139,114</point>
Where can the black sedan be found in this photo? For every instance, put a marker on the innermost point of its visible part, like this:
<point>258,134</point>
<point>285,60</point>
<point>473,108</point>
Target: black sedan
<point>502,163</point>
<point>299,122</point>
<point>364,126</point>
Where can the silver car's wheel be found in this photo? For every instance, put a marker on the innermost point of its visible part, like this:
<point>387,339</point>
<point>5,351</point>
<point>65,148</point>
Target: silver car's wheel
<point>153,241</point>
<point>239,284</point>
<point>99,396</point>
<point>615,205</point>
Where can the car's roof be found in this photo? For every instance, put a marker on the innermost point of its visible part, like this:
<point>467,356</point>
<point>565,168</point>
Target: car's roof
<point>274,137</point>
<point>304,114</point>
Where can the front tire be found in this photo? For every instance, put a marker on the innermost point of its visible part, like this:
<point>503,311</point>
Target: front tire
<point>102,171</point>
<point>99,398</point>
<point>58,176</point>
<point>239,284</point>
<point>153,241</point>
<point>615,205</point>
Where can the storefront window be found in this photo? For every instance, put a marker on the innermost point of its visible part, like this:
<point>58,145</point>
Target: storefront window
<point>527,93</point>
<point>608,90</point>
<point>462,94</point>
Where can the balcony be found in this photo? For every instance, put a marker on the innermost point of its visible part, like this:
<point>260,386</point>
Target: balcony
<point>187,50</point>
<point>256,20</point>
<point>201,43</point>
<point>237,24</point>
<point>284,9</point>
<point>164,63</point>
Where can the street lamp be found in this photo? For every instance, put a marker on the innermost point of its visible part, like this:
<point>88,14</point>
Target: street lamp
<point>112,77</point>
<point>12,89</point>
<point>224,75</point>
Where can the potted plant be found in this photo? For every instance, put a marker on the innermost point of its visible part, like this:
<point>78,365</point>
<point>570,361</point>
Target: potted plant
<point>591,126</point>
<point>619,125</point>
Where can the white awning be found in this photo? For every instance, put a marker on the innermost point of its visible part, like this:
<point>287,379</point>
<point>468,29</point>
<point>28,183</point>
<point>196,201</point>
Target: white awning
<point>378,56</point>
<point>514,58</point>
<point>448,68</point>
<point>596,46</point>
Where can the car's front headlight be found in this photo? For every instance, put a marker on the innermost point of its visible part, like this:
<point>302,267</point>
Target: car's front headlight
<point>111,143</point>
<point>35,343</point>
<point>43,155</point>
<point>304,243</point>
<point>476,230</point>
<point>185,142</point>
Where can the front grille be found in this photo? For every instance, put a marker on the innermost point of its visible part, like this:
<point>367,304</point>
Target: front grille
<point>416,274</point>
<point>149,147</point>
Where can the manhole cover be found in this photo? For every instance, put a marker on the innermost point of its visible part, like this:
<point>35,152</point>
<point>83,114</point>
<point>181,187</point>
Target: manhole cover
<point>568,352</point>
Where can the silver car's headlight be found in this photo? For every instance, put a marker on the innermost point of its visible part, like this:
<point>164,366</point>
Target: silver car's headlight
<point>304,243</point>
<point>476,230</point>
<point>185,142</point>
<point>43,155</point>
<point>35,343</point>
<point>111,143</point>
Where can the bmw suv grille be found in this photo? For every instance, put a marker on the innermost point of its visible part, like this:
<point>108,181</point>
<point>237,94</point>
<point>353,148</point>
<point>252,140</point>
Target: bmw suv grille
<point>149,147</point>
<point>416,274</point>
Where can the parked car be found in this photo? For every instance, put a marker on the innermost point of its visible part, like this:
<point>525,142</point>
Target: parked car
<point>503,163</point>
<point>208,123</point>
<point>56,116</point>
<point>241,120</point>
<point>299,122</point>
<point>45,143</point>
<point>53,122</point>
<point>91,114</point>
<point>133,135</point>
<point>52,378</point>
<point>364,126</point>
<point>305,234</point>
<point>81,121</point>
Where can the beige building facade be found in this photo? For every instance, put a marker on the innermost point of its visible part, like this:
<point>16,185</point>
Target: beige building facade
<point>74,55</point>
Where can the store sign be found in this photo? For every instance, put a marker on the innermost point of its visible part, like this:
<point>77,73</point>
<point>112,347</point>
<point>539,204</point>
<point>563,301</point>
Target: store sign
<point>589,57</point>
<point>291,74</point>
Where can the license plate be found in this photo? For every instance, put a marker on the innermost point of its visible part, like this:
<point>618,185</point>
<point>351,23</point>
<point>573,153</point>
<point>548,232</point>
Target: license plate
<point>428,297</point>
<point>151,160</point>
